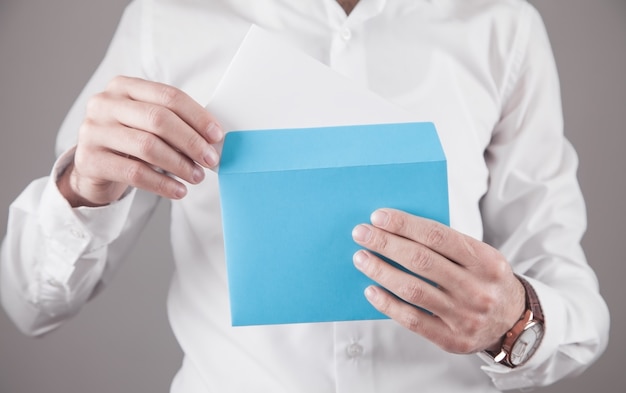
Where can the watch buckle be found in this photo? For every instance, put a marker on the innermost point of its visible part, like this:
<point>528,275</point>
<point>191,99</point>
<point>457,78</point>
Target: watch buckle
<point>499,357</point>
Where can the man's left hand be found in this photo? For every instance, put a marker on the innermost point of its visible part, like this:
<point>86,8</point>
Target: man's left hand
<point>476,299</point>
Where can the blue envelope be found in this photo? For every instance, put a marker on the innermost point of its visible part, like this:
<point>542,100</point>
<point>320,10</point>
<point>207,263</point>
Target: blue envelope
<point>290,199</point>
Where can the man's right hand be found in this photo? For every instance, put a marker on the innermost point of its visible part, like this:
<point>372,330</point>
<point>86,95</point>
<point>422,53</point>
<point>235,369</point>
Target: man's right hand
<point>139,133</point>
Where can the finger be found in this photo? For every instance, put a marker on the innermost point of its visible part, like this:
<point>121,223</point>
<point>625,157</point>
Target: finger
<point>440,238</point>
<point>148,148</point>
<point>109,166</point>
<point>160,121</point>
<point>172,98</point>
<point>429,326</point>
<point>413,256</point>
<point>405,286</point>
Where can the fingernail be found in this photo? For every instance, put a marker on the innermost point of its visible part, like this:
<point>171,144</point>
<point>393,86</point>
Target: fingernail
<point>198,174</point>
<point>380,218</point>
<point>180,191</point>
<point>361,233</point>
<point>360,259</point>
<point>215,132</point>
<point>371,293</point>
<point>210,157</point>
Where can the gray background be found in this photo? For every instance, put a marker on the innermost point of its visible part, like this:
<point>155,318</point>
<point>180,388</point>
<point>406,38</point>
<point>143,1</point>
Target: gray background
<point>122,342</point>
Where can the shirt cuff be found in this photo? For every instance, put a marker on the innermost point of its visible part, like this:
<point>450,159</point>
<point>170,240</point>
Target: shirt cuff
<point>535,369</point>
<point>73,232</point>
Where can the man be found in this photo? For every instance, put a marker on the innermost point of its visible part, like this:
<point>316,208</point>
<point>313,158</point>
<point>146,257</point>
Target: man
<point>482,70</point>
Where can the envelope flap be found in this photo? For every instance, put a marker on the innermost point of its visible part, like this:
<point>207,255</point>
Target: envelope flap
<point>330,147</point>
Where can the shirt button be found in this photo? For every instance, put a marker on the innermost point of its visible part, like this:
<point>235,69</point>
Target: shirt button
<point>354,350</point>
<point>346,34</point>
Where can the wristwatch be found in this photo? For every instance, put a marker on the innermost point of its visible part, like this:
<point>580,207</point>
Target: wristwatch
<point>521,342</point>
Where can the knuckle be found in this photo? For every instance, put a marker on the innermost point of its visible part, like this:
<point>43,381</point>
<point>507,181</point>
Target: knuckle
<point>169,96</point>
<point>184,165</point>
<point>435,235</point>
<point>82,160</point>
<point>376,270</point>
<point>413,292</point>
<point>384,304</point>
<point>397,221</point>
<point>146,144</point>
<point>95,103</point>
<point>421,261</point>
<point>493,269</point>
<point>480,301</point>
<point>471,326</point>
<point>86,128</point>
<point>116,82</point>
<point>134,173</point>
<point>486,303</point>
<point>204,121</point>
<point>157,116</point>
<point>412,321</point>
<point>193,142</point>
<point>380,241</point>
<point>501,268</point>
<point>162,186</point>
<point>79,159</point>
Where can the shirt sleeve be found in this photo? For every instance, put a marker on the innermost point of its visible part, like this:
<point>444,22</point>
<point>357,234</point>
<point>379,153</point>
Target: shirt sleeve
<point>534,213</point>
<point>55,257</point>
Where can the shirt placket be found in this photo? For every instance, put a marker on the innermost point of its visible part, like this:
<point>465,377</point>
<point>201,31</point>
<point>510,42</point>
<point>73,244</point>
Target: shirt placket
<point>353,350</point>
<point>353,341</point>
<point>347,52</point>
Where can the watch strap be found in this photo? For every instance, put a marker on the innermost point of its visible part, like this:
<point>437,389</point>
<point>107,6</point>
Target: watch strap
<point>532,300</point>
<point>533,312</point>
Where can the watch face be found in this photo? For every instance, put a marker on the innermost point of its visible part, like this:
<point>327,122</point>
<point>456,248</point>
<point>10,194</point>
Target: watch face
<point>526,343</point>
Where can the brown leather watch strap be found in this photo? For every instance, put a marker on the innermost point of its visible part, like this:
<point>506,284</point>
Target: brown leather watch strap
<point>533,312</point>
<point>532,300</point>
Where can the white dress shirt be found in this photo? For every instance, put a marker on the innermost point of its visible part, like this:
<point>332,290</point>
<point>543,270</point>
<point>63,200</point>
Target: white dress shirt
<point>481,70</point>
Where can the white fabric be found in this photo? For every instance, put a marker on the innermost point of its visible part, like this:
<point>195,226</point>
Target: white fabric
<point>481,70</point>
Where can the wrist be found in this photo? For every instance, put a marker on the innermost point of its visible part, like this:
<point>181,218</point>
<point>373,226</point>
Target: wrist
<point>66,183</point>
<point>521,341</point>
<point>515,312</point>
